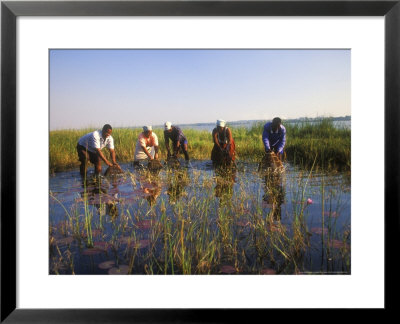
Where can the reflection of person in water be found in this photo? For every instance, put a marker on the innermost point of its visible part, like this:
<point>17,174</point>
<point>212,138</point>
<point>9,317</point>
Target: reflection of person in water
<point>150,187</point>
<point>96,192</point>
<point>151,191</point>
<point>177,181</point>
<point>274,195</point>
<point>225,179</point>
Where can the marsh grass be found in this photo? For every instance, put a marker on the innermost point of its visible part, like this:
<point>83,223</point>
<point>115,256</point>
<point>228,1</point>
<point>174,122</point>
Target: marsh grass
<point>329,145</point>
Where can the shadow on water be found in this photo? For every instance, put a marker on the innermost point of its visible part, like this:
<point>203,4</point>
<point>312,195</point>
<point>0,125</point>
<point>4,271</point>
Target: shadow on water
<point>225,178</point>
<point>272,172</point>
<point>179,217</point>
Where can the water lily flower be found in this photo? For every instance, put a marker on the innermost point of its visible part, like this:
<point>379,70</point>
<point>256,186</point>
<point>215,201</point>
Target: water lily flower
<point>309,201</point>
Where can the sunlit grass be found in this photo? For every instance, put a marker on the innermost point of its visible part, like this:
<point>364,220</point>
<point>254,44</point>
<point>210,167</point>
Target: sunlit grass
<point>321,141</point>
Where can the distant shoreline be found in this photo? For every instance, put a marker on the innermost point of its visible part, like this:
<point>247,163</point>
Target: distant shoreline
<point>237,123</point>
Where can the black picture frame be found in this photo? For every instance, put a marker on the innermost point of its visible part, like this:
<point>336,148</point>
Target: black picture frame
<point>10,10</point>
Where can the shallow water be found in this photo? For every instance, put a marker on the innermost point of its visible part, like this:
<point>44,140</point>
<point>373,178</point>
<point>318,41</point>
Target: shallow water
<point>194,220</point>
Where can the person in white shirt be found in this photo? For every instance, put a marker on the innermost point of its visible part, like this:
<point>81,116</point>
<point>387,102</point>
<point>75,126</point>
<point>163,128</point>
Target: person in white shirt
<point>146,146</point>
<point>89,149</point>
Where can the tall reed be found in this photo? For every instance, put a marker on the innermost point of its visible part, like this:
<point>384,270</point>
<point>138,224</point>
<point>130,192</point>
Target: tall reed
<point>305,141</point>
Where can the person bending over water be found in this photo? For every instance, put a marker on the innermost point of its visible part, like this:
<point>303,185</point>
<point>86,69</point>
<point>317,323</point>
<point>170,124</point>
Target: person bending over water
<point>146,147</point>
<point>223,152</point>
<point>178,139</point>
<point>89,149</point>
<point>274,137</point>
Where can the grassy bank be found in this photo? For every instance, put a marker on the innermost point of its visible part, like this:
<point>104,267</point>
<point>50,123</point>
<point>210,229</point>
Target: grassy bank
<point>329,146</point>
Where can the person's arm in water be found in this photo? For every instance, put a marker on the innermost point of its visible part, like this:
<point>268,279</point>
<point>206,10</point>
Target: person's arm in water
<point>143,144</point>
<point>282,141</point>
<point>175,141</point>
<point>179,137</point>
<point>155,144</point>
<point>146,152</point>
<point>215,139</point>
<point>112,152</point>
<point>95,143</point>
<point>166,139</point>
<point>265,139</point>
<point>101,155</point>
<point>176,148</point>
<point>229,134</point>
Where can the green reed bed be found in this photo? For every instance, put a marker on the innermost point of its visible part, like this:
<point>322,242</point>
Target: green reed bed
<point>328,145</point>
<point>331,146</point>
<point>205,229</point>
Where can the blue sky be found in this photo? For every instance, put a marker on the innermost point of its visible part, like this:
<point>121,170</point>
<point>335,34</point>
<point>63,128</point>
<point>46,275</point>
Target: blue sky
<point>89,88</point>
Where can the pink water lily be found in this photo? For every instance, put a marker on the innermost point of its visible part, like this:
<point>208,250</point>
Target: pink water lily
<point>309,201</point>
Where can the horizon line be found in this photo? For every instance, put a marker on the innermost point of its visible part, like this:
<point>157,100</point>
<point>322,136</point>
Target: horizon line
<point>207,123</point>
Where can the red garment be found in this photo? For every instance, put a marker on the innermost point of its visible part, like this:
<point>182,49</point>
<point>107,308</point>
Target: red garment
<point>227,143</point>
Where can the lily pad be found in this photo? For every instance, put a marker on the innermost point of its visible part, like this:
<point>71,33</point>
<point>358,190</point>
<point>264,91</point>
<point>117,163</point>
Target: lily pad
<point>319,230</point>
<point>125,239</point>
<point>101,245</point>
<point>265,204</point>
<point>65,240</point>
<point>144,224</point>
<point>243,223</point>
<point>268,271</point>
<point>106,265</point>
<point>331,214</point>
<point>228,269</point>
<point>141,244</point>
<point>122,270</point>
<point>336,244</point>
<point>92,251</point>
<point>97,232</point>
<point>277,228</point>
<point>101,199</point>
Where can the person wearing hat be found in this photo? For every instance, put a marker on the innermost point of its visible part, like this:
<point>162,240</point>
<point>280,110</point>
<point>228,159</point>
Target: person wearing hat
<point>89,149</point>
<point>146,146</point>
<point>274,137</point>
<point>177,138</point>
<point>223,151</point>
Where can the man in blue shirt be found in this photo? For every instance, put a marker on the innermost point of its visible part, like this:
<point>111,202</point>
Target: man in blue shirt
<point>178,139</point>
<point>274,137</point>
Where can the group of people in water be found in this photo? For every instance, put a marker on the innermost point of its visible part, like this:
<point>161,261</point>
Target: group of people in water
<point>90,146</point>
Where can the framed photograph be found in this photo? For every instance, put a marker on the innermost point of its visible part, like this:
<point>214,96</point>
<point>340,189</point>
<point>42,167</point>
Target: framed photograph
<point>219,155</point>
